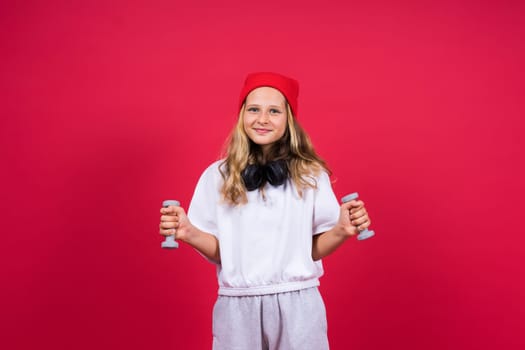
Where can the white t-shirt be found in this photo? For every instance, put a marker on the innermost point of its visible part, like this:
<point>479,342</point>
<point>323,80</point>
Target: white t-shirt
<point>266,244</point>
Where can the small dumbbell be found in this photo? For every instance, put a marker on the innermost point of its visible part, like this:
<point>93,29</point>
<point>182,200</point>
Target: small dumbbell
<point>169,241</point>
<point>366,233</point>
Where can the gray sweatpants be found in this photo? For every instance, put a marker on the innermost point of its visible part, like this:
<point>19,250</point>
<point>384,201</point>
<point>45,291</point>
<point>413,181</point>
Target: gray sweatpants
<point>284,321</point>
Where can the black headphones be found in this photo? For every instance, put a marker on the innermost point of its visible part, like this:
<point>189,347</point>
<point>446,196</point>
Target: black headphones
<point>274,172</point>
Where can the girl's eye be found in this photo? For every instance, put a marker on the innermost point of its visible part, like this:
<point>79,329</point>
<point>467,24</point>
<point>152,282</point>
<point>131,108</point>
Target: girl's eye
<point>253,109</point>
<point>274,111</point>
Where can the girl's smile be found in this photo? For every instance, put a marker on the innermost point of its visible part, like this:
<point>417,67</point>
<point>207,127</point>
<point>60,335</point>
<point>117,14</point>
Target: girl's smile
<point>262,131</point>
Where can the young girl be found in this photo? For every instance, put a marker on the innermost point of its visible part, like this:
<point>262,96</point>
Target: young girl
<point>266,215</point>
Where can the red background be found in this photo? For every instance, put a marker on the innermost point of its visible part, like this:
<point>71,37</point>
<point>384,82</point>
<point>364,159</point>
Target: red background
<point>109,107</point>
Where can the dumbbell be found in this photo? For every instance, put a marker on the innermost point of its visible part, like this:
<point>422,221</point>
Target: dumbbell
<point>169,241</point>
<point>366,233</point>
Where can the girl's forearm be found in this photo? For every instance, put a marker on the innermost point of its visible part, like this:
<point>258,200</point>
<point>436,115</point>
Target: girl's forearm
<point>206,243</point>
<point>327,242</point>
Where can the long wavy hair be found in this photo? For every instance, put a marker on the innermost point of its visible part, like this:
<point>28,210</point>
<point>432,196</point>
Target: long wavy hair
<point>294,146</point>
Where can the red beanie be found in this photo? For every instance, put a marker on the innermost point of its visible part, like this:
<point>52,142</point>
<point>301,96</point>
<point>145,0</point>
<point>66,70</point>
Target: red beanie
<point>287,86</point>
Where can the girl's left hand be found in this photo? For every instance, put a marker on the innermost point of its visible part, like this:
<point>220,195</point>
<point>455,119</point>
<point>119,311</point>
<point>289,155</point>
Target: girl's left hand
<point>354,217</point>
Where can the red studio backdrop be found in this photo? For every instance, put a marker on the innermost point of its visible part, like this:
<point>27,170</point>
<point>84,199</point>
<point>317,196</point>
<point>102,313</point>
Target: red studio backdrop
<point>110,107</point>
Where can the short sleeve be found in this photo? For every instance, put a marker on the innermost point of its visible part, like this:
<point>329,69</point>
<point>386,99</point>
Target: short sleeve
<point>326,206</point>
<point>202,211</point>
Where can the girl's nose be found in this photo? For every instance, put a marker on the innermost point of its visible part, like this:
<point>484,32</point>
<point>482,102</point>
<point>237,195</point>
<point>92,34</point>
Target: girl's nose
<point>264,117</point>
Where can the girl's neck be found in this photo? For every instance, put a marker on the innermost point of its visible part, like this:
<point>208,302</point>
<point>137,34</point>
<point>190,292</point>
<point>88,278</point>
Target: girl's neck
<point>265,151</point>
<point>263,154</point>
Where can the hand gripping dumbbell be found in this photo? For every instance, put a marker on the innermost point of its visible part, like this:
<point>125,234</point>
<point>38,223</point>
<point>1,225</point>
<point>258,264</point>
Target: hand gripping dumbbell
<point>366,233</point>
<point>169,241</point>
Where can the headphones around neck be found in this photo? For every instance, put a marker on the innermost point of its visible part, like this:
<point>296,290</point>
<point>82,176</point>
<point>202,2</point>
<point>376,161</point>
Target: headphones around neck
<point>274,172</point>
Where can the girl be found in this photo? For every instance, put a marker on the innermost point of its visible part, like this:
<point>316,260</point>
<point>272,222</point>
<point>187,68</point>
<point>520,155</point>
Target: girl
<point>266,215</point>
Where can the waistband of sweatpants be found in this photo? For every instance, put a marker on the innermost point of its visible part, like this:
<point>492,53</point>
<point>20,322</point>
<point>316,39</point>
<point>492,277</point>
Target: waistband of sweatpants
<point>268,289</point>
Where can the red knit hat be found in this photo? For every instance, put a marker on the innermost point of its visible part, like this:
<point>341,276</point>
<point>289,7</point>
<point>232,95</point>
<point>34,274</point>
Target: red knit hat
<point>287,86</point>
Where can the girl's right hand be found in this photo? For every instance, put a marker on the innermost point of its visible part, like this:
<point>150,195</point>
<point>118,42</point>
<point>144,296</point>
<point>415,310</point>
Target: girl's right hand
<point>174,221</point>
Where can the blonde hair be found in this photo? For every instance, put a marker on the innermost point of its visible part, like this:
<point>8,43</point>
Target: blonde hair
<point>294,146</point>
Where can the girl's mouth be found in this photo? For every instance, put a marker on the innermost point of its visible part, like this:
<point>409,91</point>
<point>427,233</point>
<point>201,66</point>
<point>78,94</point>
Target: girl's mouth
<point>262,131</point>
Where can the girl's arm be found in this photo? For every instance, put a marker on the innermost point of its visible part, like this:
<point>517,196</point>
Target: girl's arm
<point>175,221</point>
<point>352,219</point>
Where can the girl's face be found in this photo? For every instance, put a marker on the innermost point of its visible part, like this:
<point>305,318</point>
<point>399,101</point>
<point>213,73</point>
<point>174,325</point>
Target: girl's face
<point>265,116</point>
